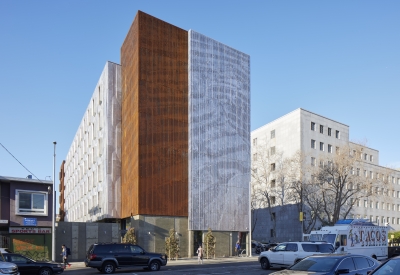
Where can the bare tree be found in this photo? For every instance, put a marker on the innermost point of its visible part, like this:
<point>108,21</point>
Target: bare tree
<point>337,184</point>
<point>270,187</point>
<point>298,173</point>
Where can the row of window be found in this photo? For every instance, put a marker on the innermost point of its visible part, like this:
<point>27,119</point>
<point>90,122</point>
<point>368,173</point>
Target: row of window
<point>272,136</point>
<point>378,205</point>
<point>272,151</point>
<point>380,219</point>
<point>321,130</point>
<point>322,146</point>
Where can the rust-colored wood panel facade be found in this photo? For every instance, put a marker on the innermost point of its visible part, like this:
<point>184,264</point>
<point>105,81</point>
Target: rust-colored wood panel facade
<point>154,60</point>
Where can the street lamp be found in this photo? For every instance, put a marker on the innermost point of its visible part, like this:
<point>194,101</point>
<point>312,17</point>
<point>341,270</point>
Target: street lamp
<point>53,212</point>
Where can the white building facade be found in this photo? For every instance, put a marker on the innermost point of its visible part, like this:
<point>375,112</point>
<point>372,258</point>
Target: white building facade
<point>93,163</point>
<point>318,138</point>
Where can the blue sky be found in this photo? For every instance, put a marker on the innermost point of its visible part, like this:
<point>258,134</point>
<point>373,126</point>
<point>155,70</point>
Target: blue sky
<point>339,59</point>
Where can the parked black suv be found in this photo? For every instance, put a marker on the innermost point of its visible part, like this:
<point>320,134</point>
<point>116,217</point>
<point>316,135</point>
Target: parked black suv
<point>107,257</point>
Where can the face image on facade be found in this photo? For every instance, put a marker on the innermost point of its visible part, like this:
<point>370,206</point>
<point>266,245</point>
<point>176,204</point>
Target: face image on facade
<point>165,141</point>
<point>297,152</point>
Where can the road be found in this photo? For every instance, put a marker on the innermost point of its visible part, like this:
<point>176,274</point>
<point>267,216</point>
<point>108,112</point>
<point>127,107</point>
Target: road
<point>248,266</point>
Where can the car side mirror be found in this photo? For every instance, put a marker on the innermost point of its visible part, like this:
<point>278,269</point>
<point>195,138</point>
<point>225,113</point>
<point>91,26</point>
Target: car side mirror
<point>342,271</point>
<point>337,244</point>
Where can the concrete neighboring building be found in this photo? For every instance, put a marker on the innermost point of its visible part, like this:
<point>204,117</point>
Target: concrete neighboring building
<point>319,137</point>
<point>165,141</point>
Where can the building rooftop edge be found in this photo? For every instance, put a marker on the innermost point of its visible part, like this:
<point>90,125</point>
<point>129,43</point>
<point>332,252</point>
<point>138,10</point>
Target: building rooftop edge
<point>298,109</point>
<point>25,180</point>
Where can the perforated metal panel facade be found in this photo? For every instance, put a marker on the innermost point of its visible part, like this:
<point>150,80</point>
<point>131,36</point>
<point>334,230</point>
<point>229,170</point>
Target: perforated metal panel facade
<point>154,60</point>
<point>219,136</point>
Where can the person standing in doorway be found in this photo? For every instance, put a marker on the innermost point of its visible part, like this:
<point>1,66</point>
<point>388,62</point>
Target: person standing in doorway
<point>64,255</point>
<point>200,254</point>
<point>237,248</point>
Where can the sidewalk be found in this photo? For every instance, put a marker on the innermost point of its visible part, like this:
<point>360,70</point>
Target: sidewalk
<point>188,261</point>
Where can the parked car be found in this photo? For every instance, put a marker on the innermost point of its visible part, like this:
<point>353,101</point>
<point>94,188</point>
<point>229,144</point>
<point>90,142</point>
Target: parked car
<point>286,254</point>
<point>390,267</point>
<point>32,267</point>
<point>107,257</point>
<point>8,268</point>
<point>332,264</point>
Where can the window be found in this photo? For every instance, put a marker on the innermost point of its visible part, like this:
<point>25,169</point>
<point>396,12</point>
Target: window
<point>371,174</point>
<point>371,204</point>
<point>31,202</point>
<point>329,148</point>
<point>337,150</point>
<point>321,129</point>
<point>273,202</point>
<point>291,247</point>
<point>337,134</point>
<point>312,126</point>
<point>312,161</point>
<point>272,233</point>
<point>272,166</point>
<point>347,264</point>
<point>273,215</point>
<point>365,173</point>
<point>377,205</point>
<point>272,134</point>
<point>273,183</point>
<point>388,206</point>
<point>394,207</point>
<point>358,171</point>
<point>383,205</point>
<point>365,203</point>
<point>255,142</point>
<point>365,156</point>
<point>371,158</point>
<point>321,146</point>
<point>273,150</point>
<point>313,144</point>
<point>255,157</point>
<point>329,131</point>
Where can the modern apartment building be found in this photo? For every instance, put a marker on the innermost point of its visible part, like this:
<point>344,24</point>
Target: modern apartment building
<point>91,173</point>
<point>175,143</point>
<point>319,138</point>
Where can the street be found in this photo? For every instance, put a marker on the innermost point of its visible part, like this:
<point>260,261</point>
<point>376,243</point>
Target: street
<point>248,266</point>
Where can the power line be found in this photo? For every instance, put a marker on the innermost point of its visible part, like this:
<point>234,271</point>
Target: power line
<point>20,163</point>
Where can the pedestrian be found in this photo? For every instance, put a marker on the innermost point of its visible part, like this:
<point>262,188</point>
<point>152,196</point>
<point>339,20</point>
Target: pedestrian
<point>237,248</point>
<point>64,254</point>
<point>200,255</point>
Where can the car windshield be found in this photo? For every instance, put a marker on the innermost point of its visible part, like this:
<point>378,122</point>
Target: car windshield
<point>329,238</point>
<point>316,264</point>
<point>390,267</point>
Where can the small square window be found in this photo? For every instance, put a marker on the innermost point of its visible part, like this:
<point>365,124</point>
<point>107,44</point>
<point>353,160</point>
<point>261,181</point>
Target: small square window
<point>313,144</point>
<point>365,156</point>
<point>371,158</point>
<point>312,126</point>
<point>329,148</point>
<point>337,134</point>
<point>31,203</point>
<point>329,131</point>
<point>321,129</point>
<point>272,134</point>
<point>273,184</point>
<point>321,146</point>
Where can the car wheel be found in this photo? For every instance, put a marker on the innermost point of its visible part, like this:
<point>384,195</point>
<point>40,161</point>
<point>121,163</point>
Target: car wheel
<point>264,263</point>
<point>154,265</point>
<point>108,268</point>
<point>45,271</point>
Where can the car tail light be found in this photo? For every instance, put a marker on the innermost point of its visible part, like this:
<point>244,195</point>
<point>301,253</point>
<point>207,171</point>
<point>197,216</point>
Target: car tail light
<point>92,256</point>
